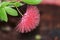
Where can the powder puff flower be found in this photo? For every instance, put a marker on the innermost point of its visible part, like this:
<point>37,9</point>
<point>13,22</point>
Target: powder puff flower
<point>29,21</point>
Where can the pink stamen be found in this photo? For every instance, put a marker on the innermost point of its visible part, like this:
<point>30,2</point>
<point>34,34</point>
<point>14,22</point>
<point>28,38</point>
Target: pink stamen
<point>30,20</point>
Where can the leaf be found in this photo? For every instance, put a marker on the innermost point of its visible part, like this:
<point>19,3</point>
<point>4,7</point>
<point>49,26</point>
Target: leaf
<point>11,11</point>
<point>4,4</point>
<point>32,2</point>
<point>3,15</point>
<point>17,4</point>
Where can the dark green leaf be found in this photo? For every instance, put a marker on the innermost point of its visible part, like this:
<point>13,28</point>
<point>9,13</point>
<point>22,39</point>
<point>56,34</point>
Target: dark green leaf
<point>11,11</point>
<point>3,15</point>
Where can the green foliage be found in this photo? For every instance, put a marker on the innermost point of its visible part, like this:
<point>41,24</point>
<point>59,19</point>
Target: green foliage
<point>17,4</point>
<point>11,11</point>
<point>6,7</point>
<point>32,2</point>
<point>3,15</point>
<point>4,4</point>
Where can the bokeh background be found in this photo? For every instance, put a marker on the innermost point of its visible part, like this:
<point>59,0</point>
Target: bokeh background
<point>48,28</point>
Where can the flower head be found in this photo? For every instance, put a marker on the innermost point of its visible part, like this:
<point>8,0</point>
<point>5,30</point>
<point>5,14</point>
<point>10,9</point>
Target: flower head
<point>30,20</point>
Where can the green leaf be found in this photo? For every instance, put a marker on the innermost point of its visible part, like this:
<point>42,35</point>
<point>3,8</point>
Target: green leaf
<point>3,15</point>
<point>17,4</point>
<point>4,4</point>
<point>11,11</point>
<point>32,2</point>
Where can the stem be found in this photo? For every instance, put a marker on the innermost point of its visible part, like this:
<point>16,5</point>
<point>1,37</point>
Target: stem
<point>16,8</point>
<point>19,11</point>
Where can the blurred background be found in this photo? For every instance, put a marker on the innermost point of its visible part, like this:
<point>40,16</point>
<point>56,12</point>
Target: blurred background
<point>48,29</point>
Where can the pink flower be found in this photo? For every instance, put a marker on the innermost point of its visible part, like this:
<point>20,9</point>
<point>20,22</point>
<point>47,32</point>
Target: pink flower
<point>30,20</point>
